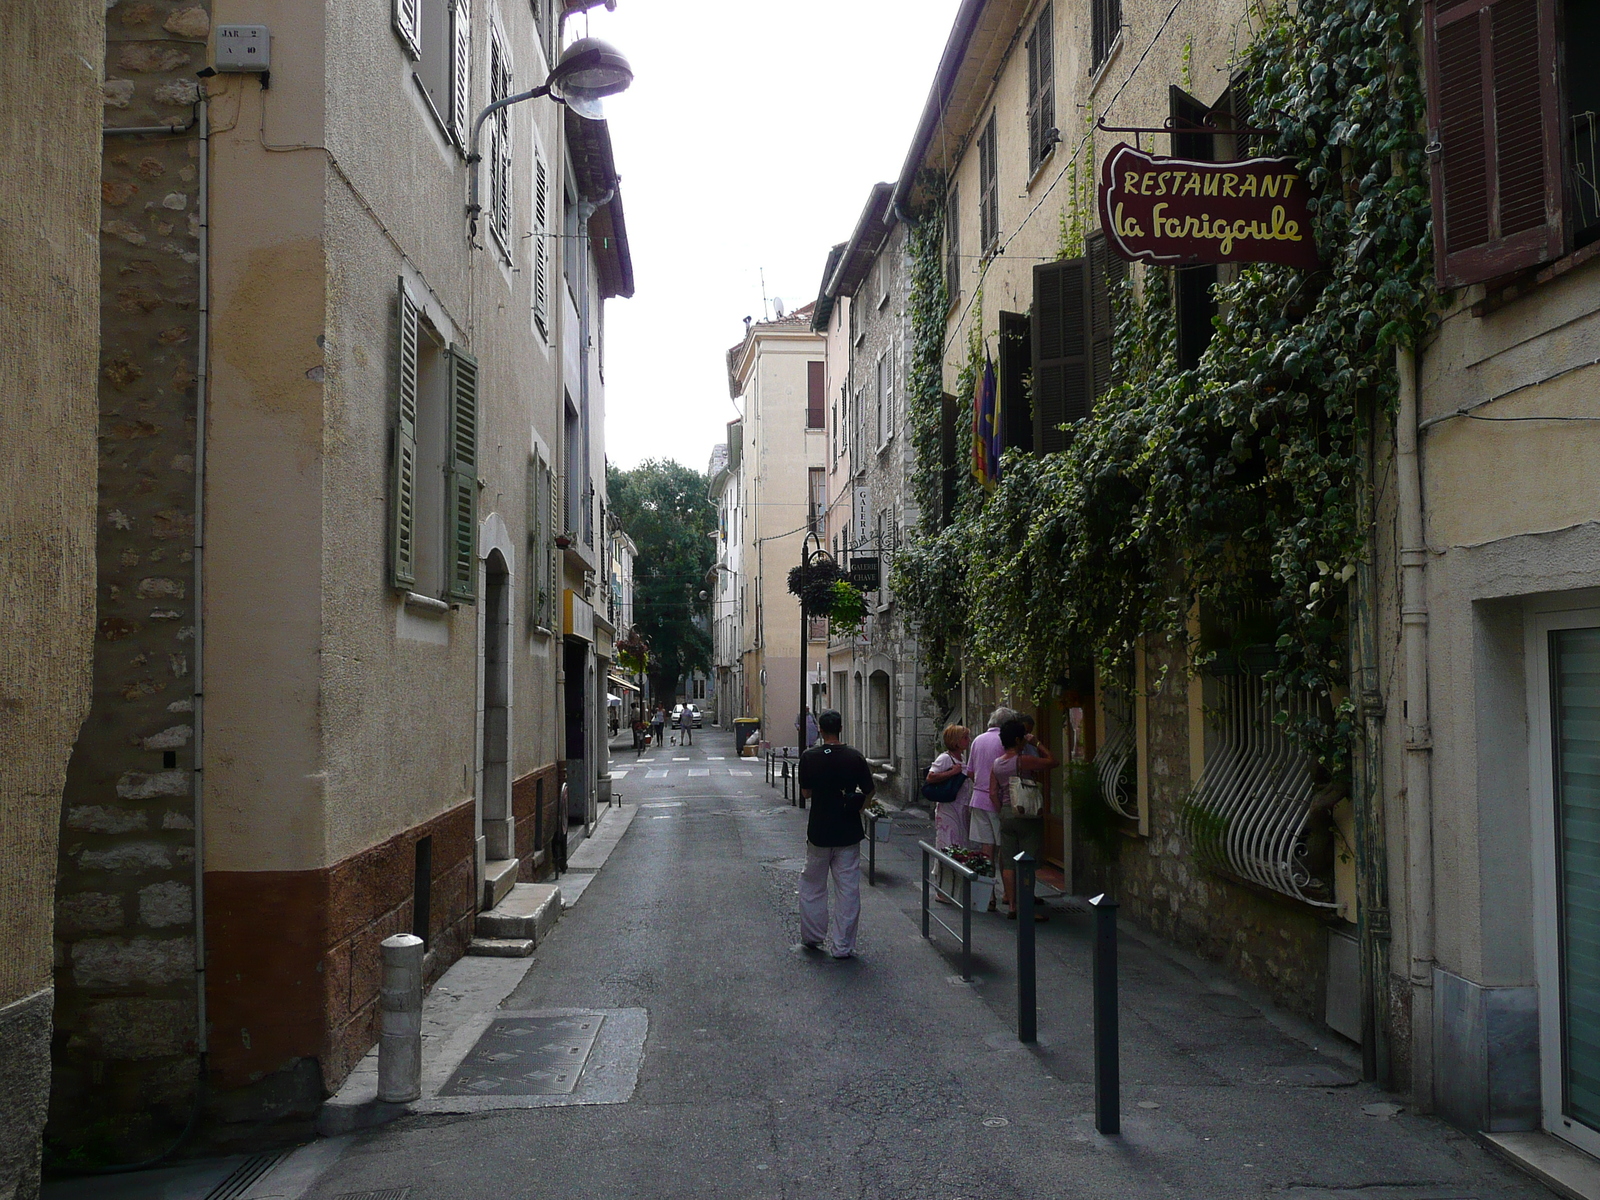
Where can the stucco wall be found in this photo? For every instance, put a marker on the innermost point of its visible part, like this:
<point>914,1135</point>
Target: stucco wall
<point>50,74</point>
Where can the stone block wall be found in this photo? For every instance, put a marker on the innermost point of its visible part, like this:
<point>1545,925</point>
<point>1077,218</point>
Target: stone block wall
<point>125,1045</point>
<point>1274,943</point>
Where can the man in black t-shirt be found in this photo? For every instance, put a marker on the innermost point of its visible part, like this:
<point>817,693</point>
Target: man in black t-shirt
<point>837,781</point>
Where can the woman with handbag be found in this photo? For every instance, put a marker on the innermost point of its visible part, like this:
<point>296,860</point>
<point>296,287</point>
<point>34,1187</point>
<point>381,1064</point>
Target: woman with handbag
<point>949,788</point>
<point>1021,804</point>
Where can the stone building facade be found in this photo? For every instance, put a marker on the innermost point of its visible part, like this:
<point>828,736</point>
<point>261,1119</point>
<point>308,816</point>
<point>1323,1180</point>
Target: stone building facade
<point>343,435</point>
<point>49,277</point>
<point>1004,130</point>
<point>873,679</point>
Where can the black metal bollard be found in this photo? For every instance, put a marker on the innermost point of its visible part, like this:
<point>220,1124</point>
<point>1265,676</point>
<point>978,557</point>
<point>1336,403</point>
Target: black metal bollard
<point>872,853</point>
<point>1107,1082</point>
<point>1027,996</point>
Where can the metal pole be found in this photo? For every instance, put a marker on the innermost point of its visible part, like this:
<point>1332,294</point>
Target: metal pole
<point>872,854</point>
<point>400,1043</point>
<point>926,897</point>
<point>1107,1085</point>
<point>1027,998</point>
<point>966,929</point>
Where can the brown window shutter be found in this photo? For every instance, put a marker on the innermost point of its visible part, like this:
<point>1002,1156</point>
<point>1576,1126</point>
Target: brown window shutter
<point>1061,378</point>
<point>1495,137</point>
<point>815,402</point>
<point>1106,273</point>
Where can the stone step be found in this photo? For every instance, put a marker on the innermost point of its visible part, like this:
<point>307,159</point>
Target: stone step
<point>499,877</point>
<point>531,910</point>
<point>487,947</point>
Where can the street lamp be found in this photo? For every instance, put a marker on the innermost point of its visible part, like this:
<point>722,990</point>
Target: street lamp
<point>589,71</point>
<point>807,557</point>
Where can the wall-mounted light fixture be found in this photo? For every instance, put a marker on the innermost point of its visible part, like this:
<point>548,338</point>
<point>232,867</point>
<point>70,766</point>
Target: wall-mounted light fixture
<point>589,71</point>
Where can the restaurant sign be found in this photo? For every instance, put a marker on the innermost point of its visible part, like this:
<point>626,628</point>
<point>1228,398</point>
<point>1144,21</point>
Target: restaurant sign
<point>1178,212</point>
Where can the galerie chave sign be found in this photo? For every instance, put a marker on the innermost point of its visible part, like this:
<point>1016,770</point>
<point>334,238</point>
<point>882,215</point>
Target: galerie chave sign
<point>1175,211</point>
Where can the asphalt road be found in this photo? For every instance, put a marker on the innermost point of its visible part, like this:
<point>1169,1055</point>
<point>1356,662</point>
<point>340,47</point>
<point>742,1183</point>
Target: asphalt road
<point>771,1071</point>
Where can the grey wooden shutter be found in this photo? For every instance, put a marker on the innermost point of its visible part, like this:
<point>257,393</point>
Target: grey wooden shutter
<point>552,562</point>
<point>500,147</point>
<point>1041,87</point>
<point>1061,376</point>
<point>460,68</point>
<point>1494,117</point>
<point>403,484</point>
<point>541,244</point>
<point>408,24</point>
<point>461,521</point>
<point>1106,273</point>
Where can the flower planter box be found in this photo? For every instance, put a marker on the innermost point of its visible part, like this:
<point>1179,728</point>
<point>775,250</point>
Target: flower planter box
<point>982,892</point>
<point>882,829</point>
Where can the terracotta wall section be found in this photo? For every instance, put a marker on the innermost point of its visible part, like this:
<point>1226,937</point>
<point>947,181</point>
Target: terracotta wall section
<point>535,790</point>
<point>295,968</point>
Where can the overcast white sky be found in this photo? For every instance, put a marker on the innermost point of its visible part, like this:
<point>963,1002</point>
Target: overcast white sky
<point>748,142</point>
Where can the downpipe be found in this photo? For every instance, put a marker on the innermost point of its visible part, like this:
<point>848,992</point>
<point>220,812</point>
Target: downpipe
<point>1418,731</point>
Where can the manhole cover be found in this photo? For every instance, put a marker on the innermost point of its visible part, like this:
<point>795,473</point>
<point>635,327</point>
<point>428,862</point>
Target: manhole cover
<point>526,1056</point>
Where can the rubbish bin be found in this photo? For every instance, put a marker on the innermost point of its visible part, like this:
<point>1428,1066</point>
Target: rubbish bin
<point>743,727</point>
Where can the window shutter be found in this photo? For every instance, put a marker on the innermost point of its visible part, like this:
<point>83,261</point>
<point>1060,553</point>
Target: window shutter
<point>1106,273</point>
<point>407,23</point>
<point>814,394</point>
<point>952,244</point>
<point>1041,87</point>
<point>500,148</point>
<point>403,487</point>
<point>462,497</point>
<point>1061,379</point>
<point>460,68</point>
<point>541,248</point>
<point>1495,137</point>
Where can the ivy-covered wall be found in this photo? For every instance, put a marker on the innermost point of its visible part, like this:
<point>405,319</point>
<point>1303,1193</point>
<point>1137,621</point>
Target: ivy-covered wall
<point>1222,490</point>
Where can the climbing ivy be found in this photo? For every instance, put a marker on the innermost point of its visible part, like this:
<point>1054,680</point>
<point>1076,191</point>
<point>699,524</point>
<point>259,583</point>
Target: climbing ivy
<point>1226,488</point>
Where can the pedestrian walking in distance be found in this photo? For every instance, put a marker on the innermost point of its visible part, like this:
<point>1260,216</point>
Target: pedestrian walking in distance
<point>837,781</point>
<point>686,726</point>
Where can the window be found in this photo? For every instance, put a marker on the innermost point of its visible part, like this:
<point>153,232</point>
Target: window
<point>434,488</point>
<point>1507,194</point>
<point>541,244</point>
<point>1042,132</point>
<point>815,384</point>
<point>570,244</point>
<point>437,35</point>
<point>500,86</point>
<point>545,21</point>
<point>572,497</point>
<point>952,244</point>
<point>881,406</point>
<point>1107,27</point>
<point>817,500</point>
<point>988,188</point>
<point>1016,412</point>
<point>1072,326</point>
<point>1193,292</point>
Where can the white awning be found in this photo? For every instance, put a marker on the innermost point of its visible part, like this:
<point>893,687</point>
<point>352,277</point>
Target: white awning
<point>613,700</point>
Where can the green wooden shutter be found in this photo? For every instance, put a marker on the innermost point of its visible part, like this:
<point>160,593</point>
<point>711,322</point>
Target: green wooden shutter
<point>462,495</point>
<point>403,485</point>
<point>1061,378</point>
<point>1106,273</point>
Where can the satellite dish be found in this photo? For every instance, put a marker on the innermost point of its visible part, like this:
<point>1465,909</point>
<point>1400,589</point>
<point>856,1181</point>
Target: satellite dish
<point>777,306</point>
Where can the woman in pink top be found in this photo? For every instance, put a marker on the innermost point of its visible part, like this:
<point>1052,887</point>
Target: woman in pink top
<point>950,819</point>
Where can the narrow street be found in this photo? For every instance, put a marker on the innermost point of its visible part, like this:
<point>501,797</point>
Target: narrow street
<point>770,1071</point>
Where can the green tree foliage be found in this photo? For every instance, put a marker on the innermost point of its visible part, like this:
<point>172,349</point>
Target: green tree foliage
<point>663,507</point>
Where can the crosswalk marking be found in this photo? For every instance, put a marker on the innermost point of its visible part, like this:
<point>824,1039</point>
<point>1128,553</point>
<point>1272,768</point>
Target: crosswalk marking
<point>699,773</point>
<point>657,774</point>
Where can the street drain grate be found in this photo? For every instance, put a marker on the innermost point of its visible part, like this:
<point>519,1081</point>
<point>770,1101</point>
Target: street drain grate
<point>246,1173</point>
<point>526,1056</point>
<point>399,1193</point>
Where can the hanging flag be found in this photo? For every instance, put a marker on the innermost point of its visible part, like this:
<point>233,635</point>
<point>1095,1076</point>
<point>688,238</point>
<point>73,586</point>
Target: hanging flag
<point>986,429</point>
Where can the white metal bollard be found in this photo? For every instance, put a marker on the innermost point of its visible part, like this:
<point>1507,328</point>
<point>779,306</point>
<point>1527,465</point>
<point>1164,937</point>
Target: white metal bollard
<point>400,1044</point>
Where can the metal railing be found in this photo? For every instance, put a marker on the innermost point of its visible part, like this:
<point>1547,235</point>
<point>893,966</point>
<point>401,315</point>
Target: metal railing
<point>930,855</point>
<point>784,768</point>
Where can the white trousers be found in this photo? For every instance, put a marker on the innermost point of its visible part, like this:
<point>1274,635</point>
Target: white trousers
<point>844,864</point>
